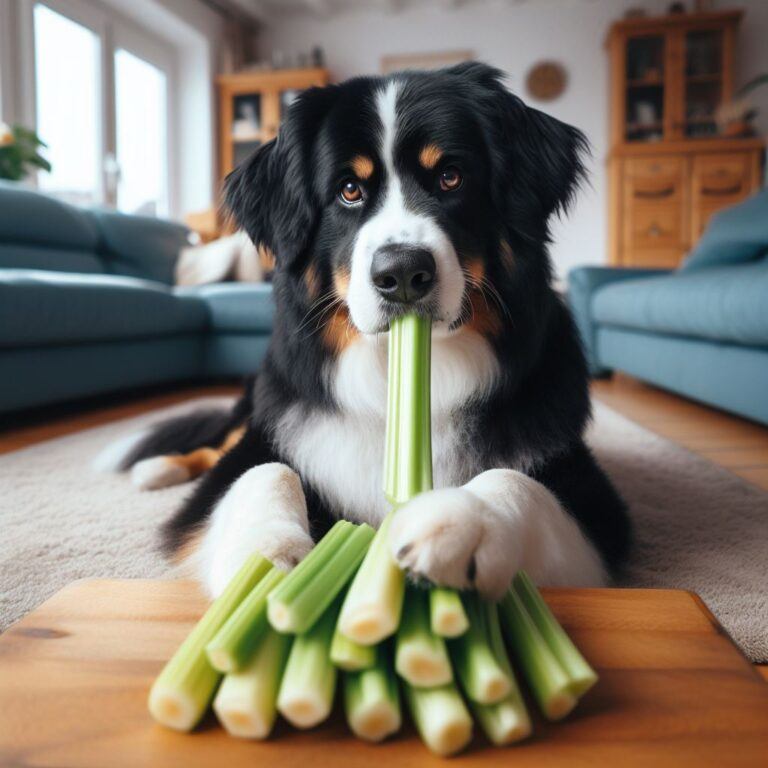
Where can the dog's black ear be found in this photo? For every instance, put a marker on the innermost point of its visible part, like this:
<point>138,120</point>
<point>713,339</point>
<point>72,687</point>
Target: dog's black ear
<point>536,159</point>
<point>271,195</point>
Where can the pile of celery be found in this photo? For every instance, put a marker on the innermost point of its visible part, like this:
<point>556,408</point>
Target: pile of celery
<point>278,643</point>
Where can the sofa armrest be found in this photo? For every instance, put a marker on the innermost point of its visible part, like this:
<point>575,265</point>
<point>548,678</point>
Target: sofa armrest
<point>583,283</point>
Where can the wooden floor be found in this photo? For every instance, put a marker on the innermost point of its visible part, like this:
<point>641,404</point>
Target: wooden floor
<point>736,444</point>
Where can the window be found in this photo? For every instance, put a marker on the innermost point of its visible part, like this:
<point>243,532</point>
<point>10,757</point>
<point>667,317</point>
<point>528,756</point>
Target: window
<point>67,74</point>
<point>141,128</point>
<point>101,104</point>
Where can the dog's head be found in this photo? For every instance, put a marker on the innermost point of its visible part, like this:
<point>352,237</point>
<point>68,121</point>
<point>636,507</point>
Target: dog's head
<point>408,192</point>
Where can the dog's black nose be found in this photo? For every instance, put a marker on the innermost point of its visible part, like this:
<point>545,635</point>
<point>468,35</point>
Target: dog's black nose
<point>403,273</point>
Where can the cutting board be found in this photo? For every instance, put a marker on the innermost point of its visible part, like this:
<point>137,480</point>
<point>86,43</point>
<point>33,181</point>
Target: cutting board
<point>673,690</point>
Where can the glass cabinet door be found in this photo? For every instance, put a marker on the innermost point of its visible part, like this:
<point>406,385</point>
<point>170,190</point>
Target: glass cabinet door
<point>246,125</point>
<point>703,81</point>
<point>644,102</point>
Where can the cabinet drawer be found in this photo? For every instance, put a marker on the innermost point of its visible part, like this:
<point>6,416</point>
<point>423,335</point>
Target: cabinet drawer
<point>720,178</point>
<point>653,179</point>
<point>654,226</point>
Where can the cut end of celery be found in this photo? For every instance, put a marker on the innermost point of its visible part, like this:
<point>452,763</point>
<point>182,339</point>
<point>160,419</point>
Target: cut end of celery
<point>367,625</point>
<point>303,710</point>
<point>495,689</point>
<point>376,722</point>
<point>221,660</point>
<point>450,625</point>
<point>279,617</point>
<point>448,738</point>
<point>173,709</point>
<point>423,670</point>
<point>580,685</point>
<point>241,721</point>
<point>559,706</point>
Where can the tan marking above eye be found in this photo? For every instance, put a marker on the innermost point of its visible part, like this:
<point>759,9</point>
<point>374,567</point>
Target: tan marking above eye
<point>430,156</point>
<point>362,166</point>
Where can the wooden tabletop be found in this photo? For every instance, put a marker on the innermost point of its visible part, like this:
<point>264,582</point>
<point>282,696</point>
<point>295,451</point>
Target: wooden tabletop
<point>75,673</point>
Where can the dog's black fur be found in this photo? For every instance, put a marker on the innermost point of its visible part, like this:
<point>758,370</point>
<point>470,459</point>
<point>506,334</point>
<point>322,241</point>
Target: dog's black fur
<point>520,167</point>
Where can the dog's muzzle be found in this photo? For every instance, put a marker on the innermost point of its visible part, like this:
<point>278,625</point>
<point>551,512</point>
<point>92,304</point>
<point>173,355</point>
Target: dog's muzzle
<point>403,273</point>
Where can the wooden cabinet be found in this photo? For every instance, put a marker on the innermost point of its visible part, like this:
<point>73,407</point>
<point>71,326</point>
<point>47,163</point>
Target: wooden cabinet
<point>669,170</point>
<point>251,106</point>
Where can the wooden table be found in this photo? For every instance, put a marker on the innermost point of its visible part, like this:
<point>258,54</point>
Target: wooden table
<point>74,676</point>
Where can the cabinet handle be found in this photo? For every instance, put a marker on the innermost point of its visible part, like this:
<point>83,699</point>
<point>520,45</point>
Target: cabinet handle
<point>654,230</point>
<point>714,191</point>
<point>655,194</point>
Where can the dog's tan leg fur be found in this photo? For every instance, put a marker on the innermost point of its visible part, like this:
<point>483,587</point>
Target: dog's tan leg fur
<point>164,471</point>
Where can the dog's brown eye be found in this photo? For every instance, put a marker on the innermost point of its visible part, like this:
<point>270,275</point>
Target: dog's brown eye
<point>450,179</point>
<point>351,192</point>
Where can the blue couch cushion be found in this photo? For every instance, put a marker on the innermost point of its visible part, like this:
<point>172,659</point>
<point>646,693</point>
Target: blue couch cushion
<point>140,246</point>
<point>40,232</point>
<point>734,235</point>
<point>236,307</point>
<point>727,304</point>
<point>43,308</point>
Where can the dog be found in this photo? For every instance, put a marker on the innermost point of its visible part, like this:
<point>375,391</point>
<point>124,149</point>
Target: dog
<point>427,192</point>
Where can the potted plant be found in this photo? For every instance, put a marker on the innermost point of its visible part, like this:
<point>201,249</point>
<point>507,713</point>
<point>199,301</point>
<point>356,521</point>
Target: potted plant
<point>735,117</point>
<point>19,152</point>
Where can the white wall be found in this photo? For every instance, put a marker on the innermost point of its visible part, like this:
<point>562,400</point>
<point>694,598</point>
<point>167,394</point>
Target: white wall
<point>511,36</point>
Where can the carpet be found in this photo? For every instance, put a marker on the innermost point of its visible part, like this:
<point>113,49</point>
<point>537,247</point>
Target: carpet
<point>698,527</point>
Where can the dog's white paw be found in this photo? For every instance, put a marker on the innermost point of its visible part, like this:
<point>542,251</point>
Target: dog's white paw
<point>263,511</point>
<point>158,472</point>
<point>453,538</point>
<point>478,536</point>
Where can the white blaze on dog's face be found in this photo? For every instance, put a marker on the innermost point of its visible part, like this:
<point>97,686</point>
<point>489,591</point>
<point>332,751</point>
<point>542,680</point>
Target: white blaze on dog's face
<point>395,228</point>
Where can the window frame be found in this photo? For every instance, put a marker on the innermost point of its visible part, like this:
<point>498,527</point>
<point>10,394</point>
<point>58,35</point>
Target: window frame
<point>113,32</point>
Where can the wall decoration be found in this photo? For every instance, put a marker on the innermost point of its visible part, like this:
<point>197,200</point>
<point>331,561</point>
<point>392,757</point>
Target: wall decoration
<point>435,60</point>
<point>546,80</point>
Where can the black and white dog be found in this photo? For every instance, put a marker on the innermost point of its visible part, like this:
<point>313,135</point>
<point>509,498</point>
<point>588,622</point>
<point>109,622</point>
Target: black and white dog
<point>420,191</point>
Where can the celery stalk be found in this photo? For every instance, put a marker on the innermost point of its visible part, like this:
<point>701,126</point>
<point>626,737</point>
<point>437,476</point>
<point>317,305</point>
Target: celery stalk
<point>421,657</point>
<point>481,673</point>
<point>374,602</point>
<point>371,611</point>
<point>297,603</point>
<point>309,681</point>
<point>371,699</point>
<point>547,679</point>
<point>246,703</point>
<point>446,612</point>
<point>351,656</point>
<point>441,717</point>
<point>182,691</point>
<point>506,721</point>
<point>581,675</point>
<point>233,645</point>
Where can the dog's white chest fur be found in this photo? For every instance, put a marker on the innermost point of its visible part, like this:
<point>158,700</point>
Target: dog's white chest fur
<point>341,453</point>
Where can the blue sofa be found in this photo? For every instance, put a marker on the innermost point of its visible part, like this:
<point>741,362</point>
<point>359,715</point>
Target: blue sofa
<point>701,330</point>
<point>87,306</point>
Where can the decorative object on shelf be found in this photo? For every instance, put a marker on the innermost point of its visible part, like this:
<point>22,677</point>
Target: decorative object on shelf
<point>436,60</point>
<point>546,80</point>
<point>634,13</point>
<point>736,117</point>
<point>19,154</point>
<point>676,8</point>
<point>245,126</point>
<point>318,57</point>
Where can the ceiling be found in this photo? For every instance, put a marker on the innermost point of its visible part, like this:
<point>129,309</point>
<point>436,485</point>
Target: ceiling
<point>261,10</point>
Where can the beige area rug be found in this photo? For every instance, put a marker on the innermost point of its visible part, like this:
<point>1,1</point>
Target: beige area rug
<point>698,527</point>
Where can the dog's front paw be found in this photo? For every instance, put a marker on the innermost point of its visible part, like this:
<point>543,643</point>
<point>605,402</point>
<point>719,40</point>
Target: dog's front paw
<point>453,538</point>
